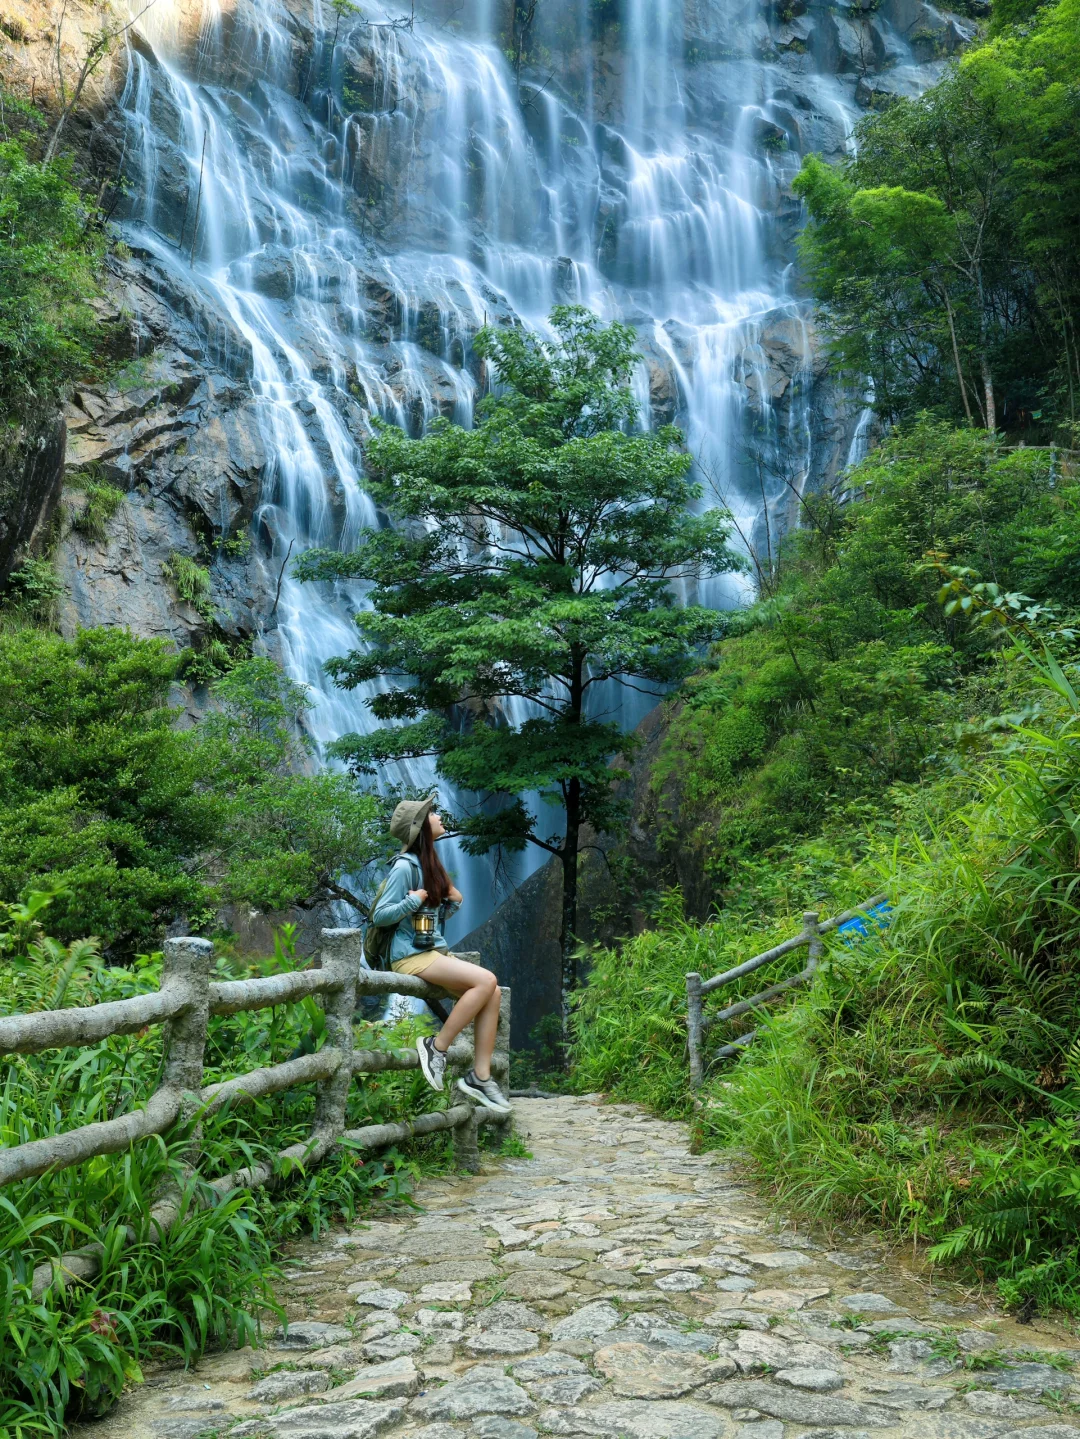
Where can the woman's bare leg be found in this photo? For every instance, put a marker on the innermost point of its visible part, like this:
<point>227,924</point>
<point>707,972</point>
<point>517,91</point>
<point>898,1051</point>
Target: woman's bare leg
<point>479,1000</point>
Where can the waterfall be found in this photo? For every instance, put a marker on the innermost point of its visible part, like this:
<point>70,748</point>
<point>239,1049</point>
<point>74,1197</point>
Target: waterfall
<point>343,203</point>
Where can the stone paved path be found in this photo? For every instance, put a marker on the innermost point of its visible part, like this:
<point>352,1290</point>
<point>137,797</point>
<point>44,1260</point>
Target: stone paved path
<point>613,1285</point>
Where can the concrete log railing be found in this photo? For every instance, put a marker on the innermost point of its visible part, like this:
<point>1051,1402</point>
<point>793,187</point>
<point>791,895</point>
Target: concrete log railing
<point>810,936</point>
<point>184,1003</point>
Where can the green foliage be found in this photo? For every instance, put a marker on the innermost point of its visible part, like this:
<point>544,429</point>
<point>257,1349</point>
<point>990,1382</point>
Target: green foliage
<point>849,676</point>
<point>944,251</point>
<point>133,822</point>
<point>534,560</point>
<point>97,798</point>
<point>49,254</point>
<point>102,502</point>
<point>31,594</point>
<point>191,582</point>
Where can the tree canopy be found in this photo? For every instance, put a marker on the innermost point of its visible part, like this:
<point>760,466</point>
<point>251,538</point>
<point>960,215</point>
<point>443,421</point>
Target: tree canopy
<point>533,559</point>
<point>133,822</point>
<point>945,250</point>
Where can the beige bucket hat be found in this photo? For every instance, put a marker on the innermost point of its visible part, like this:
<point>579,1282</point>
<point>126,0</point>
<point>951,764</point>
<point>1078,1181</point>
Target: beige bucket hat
<point>408,819</point>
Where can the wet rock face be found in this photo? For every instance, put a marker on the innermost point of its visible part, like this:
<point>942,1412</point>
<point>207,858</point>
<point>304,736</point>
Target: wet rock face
<point>177,437</point>
<point>31,478</point>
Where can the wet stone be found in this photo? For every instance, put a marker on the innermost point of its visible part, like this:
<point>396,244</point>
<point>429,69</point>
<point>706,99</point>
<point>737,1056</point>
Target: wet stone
<point>496,1426</point>
<point>378,1326</point>
<point>392,1347</point>
<point>869,1303</point>
<point>909,1396</point>
<point>276,1388</point>
<point>309,1334</point>
<point>550,1263</point>
<point>482,1391</point>
<point>587,1322</point>
<point>569,1389</point>
<point>537,1284</point>
<point>798,1408</point>
<point>1032,1378</point>
<point>354,1419</point>
<point>191,1428</point>
<point>445,1294</point>
<point>457,1271</point>
<point>378,1298</point>
<point>508,1315</point>
<point>780,1259</point>
<point>440,1320</point>
<point>501,1341</point>
<point>639,1372</point>
<point>680,1281</point>
<point>547,1366</point>
<point>631,1420</point>
<point>1001,1406</point>
<point>396,1379</point>
<point>820,1381</point>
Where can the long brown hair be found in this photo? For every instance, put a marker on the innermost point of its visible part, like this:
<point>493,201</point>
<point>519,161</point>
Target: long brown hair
<point>436,879</point>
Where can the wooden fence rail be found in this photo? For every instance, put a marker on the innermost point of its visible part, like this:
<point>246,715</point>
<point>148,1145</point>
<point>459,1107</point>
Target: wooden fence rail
<point>184,1003</point>
<point>697,1022</point>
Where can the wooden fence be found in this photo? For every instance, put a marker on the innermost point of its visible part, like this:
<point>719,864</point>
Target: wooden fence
<point>697,1022</point>
<point>184,1003</point>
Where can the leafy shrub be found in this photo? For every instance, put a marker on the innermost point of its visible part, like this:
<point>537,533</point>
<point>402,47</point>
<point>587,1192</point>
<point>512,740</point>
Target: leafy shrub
<point>49,256</point>
<point>31,593</point>
<point>102,502</point>
<point>132,822</point>
<point>190,581</point>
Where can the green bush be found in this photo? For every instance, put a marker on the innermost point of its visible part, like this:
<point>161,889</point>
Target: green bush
<point>49,256</point>
<point>132,822</point>
<point>846,677</point>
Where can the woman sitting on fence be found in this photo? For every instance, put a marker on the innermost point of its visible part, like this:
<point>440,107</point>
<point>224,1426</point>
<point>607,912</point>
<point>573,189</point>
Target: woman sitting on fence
<point>414,901</point>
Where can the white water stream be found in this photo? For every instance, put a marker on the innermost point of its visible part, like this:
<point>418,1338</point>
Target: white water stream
<point>363,209</point>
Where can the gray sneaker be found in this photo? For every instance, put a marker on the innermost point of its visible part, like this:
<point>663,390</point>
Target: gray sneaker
<point>432,1061</point>
<point>484,1091</point>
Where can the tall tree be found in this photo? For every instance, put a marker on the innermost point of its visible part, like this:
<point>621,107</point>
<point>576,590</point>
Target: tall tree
<point>945,249</point>
<point>533,560</point>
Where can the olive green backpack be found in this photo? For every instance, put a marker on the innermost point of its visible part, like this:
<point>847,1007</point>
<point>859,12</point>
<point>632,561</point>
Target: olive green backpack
<point>378,937</point>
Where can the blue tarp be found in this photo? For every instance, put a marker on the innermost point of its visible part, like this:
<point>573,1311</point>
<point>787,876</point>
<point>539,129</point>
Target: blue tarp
<point>859,927</point>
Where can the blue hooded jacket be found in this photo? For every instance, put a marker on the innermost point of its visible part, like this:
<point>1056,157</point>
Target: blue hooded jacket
<point>396,906</point>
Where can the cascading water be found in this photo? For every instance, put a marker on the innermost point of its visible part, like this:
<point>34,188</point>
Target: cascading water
<point>358,198</point>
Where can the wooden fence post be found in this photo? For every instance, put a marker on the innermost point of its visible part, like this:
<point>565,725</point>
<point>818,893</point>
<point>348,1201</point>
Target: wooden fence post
<point>693,1027</point>
<point>504,1127</point>
<point>340,961</point>
<point>185,966</point>
<point>466,1145</point>
<point>815,944</point>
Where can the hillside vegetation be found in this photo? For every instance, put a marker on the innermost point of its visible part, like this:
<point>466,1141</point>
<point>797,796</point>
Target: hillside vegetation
<point>898,711</point>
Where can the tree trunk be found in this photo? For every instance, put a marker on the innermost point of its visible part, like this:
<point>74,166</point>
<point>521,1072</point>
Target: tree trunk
<point>569,852</point>
<point>956,357</point>
<point>988,391</point>
<point>569,857</point>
